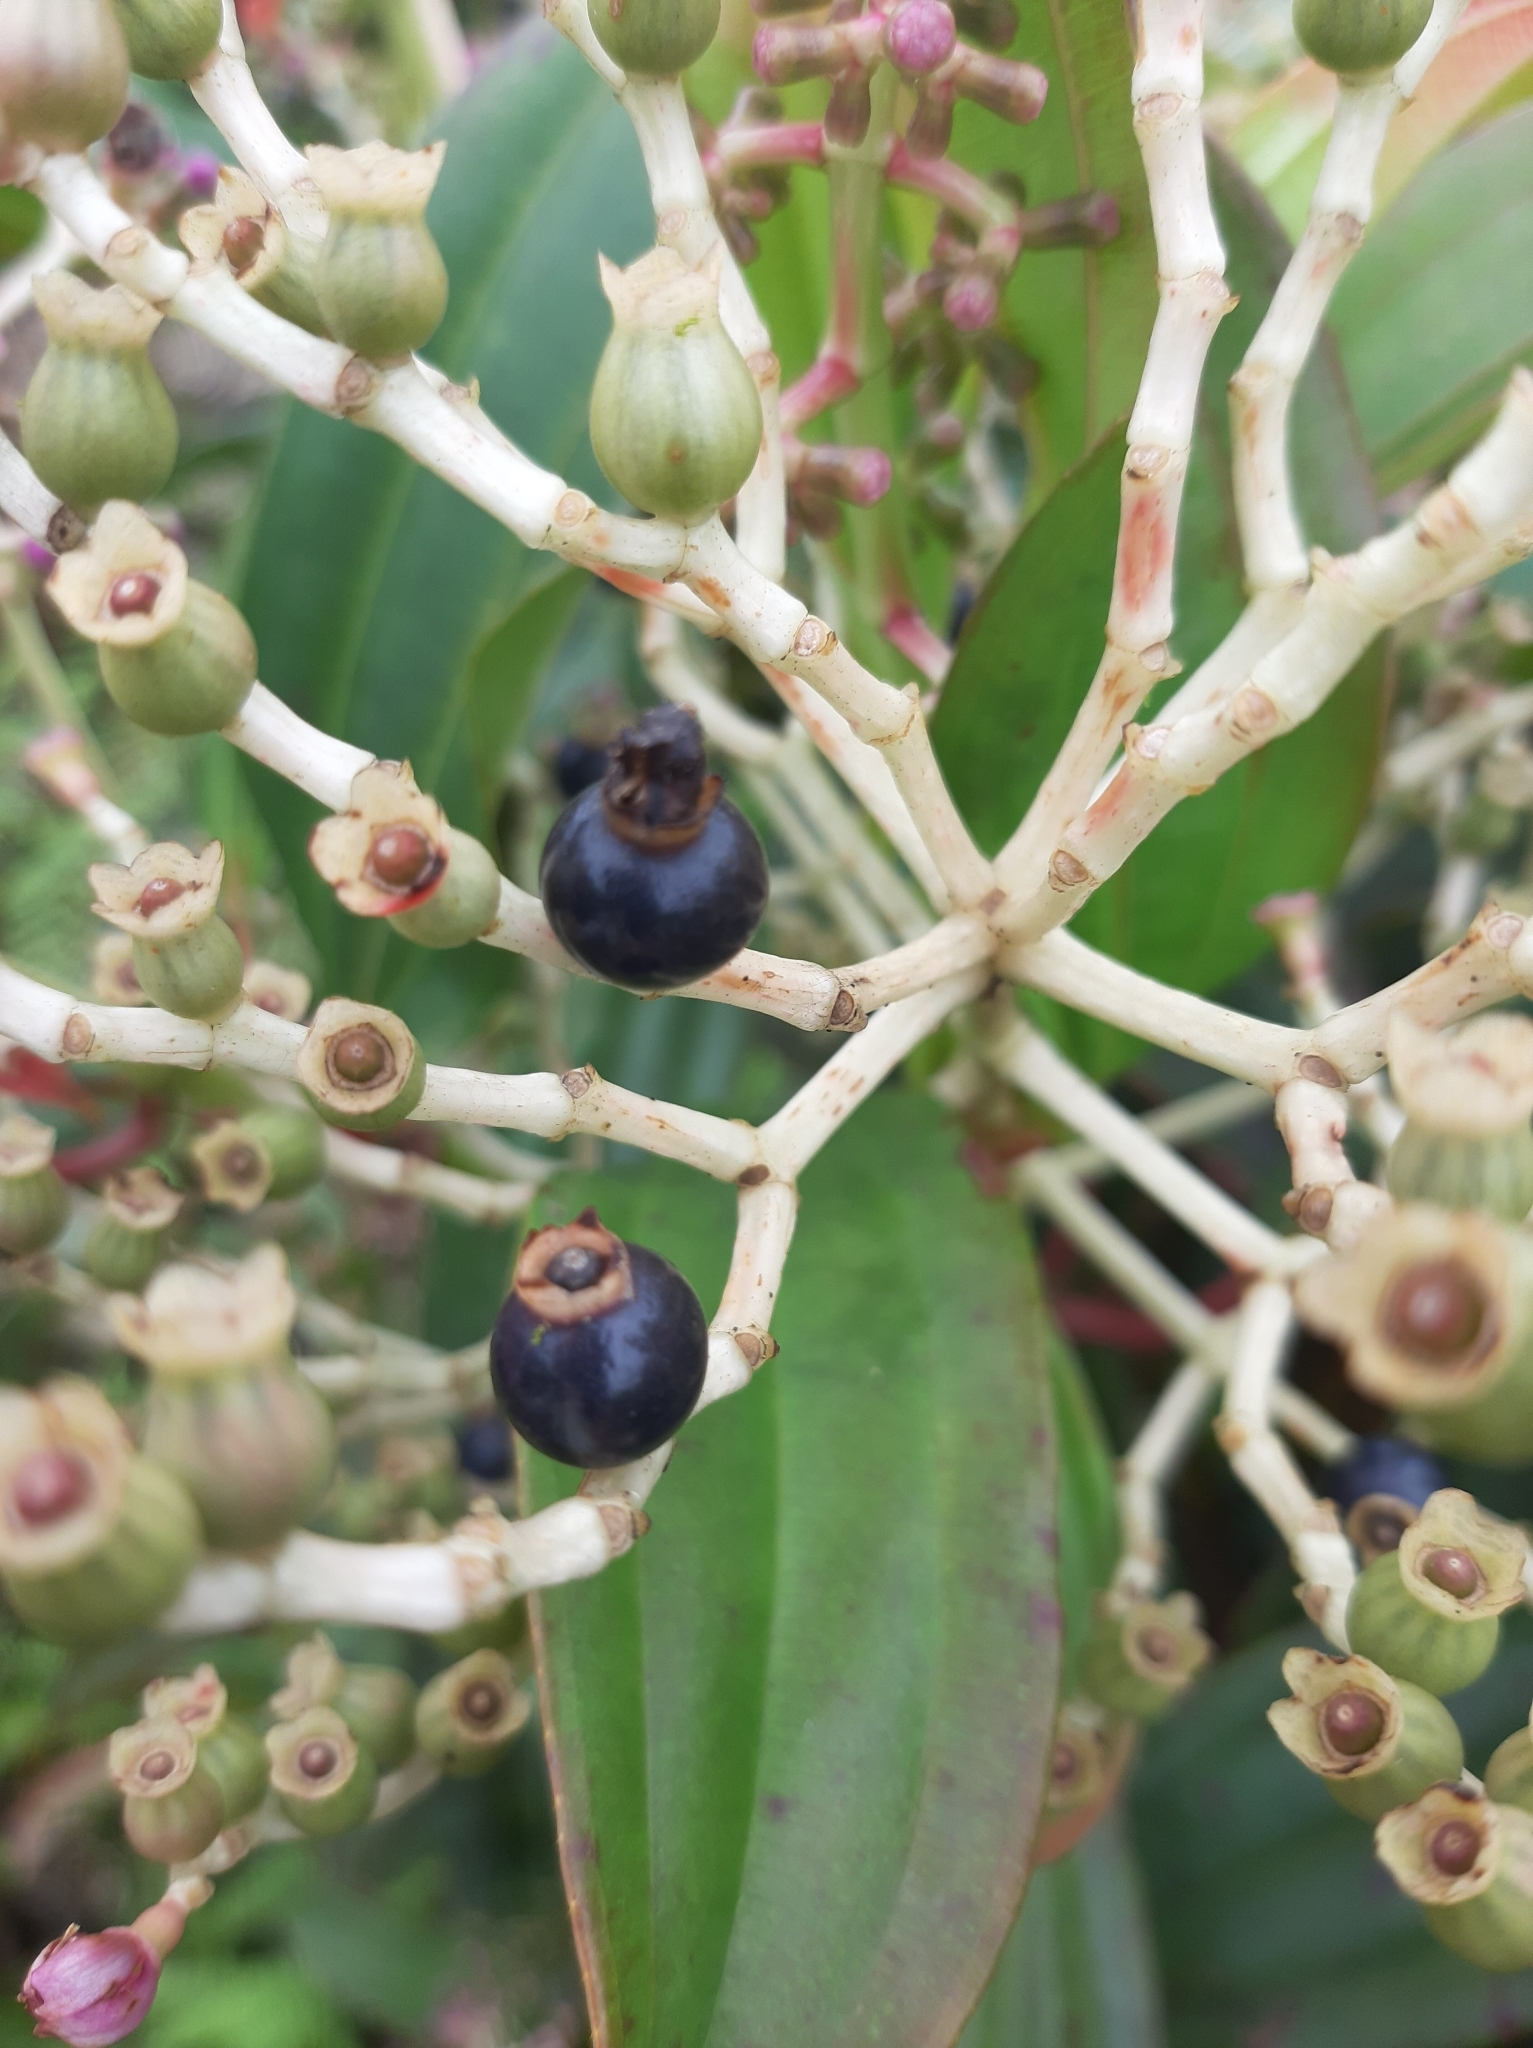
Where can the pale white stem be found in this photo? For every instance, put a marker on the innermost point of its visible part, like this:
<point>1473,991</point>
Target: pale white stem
<point>1024,1057</point>
<point>302,754</point>
<point>446,48</point>
<point>1320,1553</point>
<point>1043,1181</point>
<point>1432,753</point>
<point>1268,618</point>
<point>1328,1199</point>
<point>845,833</point>
<point>958,942</point>
<point>674,674</point>
<point>866,774</point>
<point>1178,1122</point>
<point>1456,895</point>
<point>1297,927</point>
<point>1063,966</point>
<point>227,94</point>
<point>391,1172</point>
<point>1347,604</point>
<point>26,500</point>
<point>1144,1472</point>
<point>818,869</point>
<point>791,1138</point>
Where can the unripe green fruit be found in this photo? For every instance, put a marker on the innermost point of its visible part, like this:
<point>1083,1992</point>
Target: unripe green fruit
<point>96,422</point>
<point>63,72</point>
<point>464,903</point>
<point>1493,1173</point>
<point>255,1447</point>
<point>675,413</point>
<point>466,1716</point>
<point>654,38</point>
<point>135,1572</point>
<point>193,678</point>
<point>377,1703</point>
<point>234,1757</point>
<point>196,974</point>
<point>324,1780</point>
<point>1351,36</point>
<point>169,38</point>
<point>1430,1749</point>
<point>295,1143</point>
<point>34,1207</point>
<point>361,1067</point>
<point>178,1826</point>
<point>1509,1774</point>
<point>120,1258</point>
<point>289,290</point>
<point>381,285</point>
<point>1386,1623</point>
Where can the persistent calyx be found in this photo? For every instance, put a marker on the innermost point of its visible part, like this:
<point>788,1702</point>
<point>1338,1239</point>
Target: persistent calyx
<point>658,793</point>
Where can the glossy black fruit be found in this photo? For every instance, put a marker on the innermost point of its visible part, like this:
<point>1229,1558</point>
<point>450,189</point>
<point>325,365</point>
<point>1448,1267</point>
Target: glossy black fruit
<point>652,877</point>
<point>1386,1464</point>
<point>577,765</point>
<point>484,1448</point>
<point>599,1352</point>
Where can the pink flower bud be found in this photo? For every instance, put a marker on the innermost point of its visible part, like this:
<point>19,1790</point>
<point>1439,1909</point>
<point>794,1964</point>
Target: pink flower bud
<point>199,173</point>
<point>971,301</point>
<point>91,1989</point>
<point>35,555</point>
<point>920,36</point>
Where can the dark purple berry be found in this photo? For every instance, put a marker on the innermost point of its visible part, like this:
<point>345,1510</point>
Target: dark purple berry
<point>577,766</point>
<point>651,877</point>
<point>1389,1465</point>
<point>599,1352</point>
<point>484,1448</point>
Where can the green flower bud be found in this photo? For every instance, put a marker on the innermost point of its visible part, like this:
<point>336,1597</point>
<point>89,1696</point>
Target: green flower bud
<point>464,904</point>
<point>234,1168</point>
<point>63,72</point>
<point>1429,1611</point>
<point>324,1780</point>
<point>675,413</point>
<point>94,1540</point>
<point>1375,1741</point>
<point>360,1066</point>
<point>654,38</point>
<point>376,1701</point>
<point>1468,1096</point>
<point>293,1139</point>
<point>96,422</point>
<point>1141,1655</point>
<point>175,656</point>
<point>1091,1753</point>
<point>1434,1309</point>
<point>172,1809</point>
<point>169,38</point>
<point>1469,1864</point>
<point>34,1202</point>
<point>227,1410</point>
<point>187,959</point>
<point>1509,1774</point>
<point>128,1238</point>
<point>381,283</point>
<point>1358,36</point>
<point>267,258</point>
<point>467,1714</point>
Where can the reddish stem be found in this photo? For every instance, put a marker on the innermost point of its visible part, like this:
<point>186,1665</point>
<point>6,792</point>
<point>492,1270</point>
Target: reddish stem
<point>905,629</point>
<point>824,384</point>
<point>765,142</point>
<point>120,1147</point>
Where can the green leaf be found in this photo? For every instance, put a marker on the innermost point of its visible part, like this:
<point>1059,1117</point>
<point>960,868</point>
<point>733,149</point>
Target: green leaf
<point>797,1736</point>
<point>1273,1920</point>
<point>266,2003</point>
<point>377,593</point>
<point>1088,1509</point>
<point>1438,306</point>
<point>1085,314</point>
<point>1078,1969</point>
<point>1179,909</point>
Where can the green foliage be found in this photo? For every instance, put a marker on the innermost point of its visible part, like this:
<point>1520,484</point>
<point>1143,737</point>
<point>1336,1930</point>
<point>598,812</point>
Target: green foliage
<point>798,1735</point>
<point>1438,305</point>
<point>374,590</point>
<point>1180,908</point>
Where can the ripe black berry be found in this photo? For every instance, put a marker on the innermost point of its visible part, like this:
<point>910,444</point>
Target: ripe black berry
<point>484,1448</point>
<point>577,765</point>
<point>652,877</point>
<point>1386,1464</point>
<point>599,1353</point>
